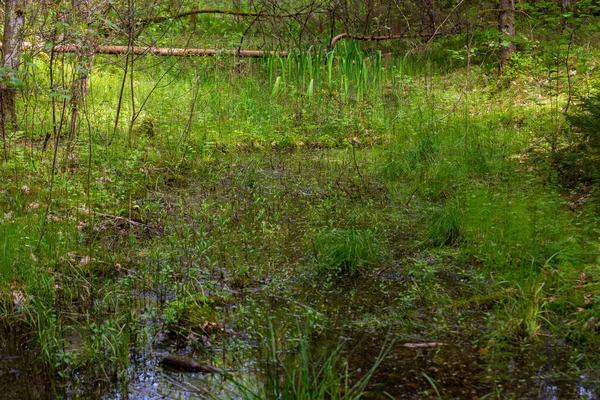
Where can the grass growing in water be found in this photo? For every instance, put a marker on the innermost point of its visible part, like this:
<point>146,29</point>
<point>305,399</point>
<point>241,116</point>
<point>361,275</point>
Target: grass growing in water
<point>299,374</point>
<point>344,251</point>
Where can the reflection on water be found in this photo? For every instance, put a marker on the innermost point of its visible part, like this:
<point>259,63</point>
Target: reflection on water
<point>459,370</point>
<point>582,388</point>
<point>20,375</point>
<point>402,376</point>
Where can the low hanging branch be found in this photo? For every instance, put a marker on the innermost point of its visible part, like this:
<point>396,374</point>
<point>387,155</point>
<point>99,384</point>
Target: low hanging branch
<point>361,37</point>
<point>376,38</point>
<point>222,11</point>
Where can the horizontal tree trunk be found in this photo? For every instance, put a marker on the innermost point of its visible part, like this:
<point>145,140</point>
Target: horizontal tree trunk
<point>163,51</point>
<point>174,51</point>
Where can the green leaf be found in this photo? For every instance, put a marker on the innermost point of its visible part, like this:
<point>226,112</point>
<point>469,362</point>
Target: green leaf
<point>15,82</point>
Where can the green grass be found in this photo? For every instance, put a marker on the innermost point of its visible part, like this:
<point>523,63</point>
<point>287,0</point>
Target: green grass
<point>344,251</point>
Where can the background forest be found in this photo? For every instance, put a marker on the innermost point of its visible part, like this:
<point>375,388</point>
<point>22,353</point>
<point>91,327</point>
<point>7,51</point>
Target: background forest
<point>303,198</point>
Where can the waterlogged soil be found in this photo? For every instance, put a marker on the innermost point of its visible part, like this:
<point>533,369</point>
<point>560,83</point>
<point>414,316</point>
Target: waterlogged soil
<point>421,362</point>
<point>243,234</point>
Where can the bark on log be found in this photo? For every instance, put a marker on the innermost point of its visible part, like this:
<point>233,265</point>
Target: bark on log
<point>165,51</point>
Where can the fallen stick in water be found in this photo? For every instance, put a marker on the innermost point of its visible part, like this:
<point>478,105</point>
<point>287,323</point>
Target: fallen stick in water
<point>187,365</point>
<point>421,345</point>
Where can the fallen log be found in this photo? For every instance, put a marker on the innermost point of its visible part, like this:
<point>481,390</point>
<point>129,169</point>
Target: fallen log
<point>161,51</point>
<point>168,51</point>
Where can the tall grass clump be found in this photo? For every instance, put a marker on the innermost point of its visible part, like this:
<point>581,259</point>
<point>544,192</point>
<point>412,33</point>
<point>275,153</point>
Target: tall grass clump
<point>444,227</point>
<point>509,228</point>
<point>344,251</point>
<point>302,372</point>
<point>346,70</point>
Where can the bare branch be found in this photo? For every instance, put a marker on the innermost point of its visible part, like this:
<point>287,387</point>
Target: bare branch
<point>378,38</point>
<point>224,11</point>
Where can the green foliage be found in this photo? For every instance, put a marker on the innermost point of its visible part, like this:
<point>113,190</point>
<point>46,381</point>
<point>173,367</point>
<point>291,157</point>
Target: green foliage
<point>226,173</point>
<point>346,70</point>
<point>578,161</point>
<point>9,78</point>
<point>191,311</point>
<point>300,371</point>
<point>510,229</point>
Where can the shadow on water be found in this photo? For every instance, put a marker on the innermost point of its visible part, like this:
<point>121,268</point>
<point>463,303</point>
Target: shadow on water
<point>21,377</point>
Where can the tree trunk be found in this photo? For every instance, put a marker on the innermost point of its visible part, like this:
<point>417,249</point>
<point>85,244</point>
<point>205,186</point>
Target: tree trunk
<point>85,57</point>
<point>11,50</point>
<point>194,17</point>
<point>567,6</point>
<point>506,25</point>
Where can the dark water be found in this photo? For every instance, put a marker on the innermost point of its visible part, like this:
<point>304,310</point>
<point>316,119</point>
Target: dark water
<point>458,369</point>
<point>21,377</point>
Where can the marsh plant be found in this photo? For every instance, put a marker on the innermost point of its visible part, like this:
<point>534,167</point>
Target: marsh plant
<point>305,370</point>
<point>445,225</point>
<point>342,251</point>
<point>235,176</point>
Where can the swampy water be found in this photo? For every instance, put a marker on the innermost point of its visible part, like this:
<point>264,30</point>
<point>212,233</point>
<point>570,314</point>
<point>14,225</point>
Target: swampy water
<point>249,233</point>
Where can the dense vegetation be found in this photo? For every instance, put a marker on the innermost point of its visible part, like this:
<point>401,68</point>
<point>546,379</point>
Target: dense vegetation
<point>400,207</point>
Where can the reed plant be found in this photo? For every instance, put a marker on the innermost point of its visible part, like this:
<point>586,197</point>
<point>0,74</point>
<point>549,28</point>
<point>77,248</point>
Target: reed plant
<point>306,373</point>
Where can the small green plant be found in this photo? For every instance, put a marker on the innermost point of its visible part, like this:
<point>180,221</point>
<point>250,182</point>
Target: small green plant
<point>344,251</point>
<point>526,312</point>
